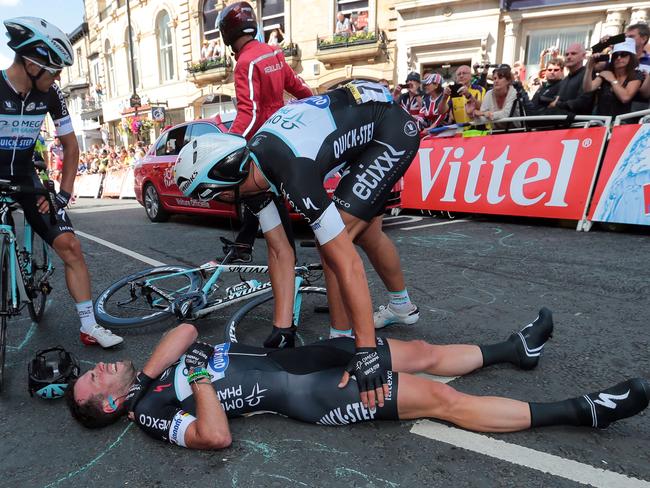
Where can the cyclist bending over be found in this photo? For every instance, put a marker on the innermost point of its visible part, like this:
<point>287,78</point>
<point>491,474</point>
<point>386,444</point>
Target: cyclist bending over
<point>355,129</point>
<point>187,390</point>
<point>28,92</point>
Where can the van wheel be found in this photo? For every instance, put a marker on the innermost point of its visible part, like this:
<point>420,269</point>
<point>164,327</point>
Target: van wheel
<point>153,206</point>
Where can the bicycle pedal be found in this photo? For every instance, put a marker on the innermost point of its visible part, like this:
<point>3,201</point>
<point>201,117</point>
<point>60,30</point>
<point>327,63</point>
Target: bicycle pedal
<point>183,307</point>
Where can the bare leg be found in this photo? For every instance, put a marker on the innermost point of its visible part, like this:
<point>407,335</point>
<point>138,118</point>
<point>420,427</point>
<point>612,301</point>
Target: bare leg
<point>383,255</point>
<point>68,247</point>
<point>422,398</point>
<point>420,356</point>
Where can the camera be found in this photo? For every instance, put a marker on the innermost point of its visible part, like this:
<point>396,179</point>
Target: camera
<point>601,58</point>
<point>454,87</point>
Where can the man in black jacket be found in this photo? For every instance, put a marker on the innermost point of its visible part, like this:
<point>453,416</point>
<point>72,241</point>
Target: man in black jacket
<point>549,89</point>
<point>571,97</point>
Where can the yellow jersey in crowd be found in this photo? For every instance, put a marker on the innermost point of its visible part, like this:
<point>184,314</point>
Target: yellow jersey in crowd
<point>458,103</point>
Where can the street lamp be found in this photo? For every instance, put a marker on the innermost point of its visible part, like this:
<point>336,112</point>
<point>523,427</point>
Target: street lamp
<point>135,101</point>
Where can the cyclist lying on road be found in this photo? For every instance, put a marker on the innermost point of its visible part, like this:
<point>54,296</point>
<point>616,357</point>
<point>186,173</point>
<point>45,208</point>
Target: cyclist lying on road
<point>187,389</point>
<point>357,130</point>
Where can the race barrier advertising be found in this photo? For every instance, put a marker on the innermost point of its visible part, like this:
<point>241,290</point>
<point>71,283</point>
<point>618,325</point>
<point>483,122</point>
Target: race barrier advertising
<point>535,174</point>
<point>113,182</point>
<point>622,193</point>
<point>88,185</point>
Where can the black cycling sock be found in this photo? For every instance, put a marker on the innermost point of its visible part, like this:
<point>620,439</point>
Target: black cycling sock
<point>503,352</point>
<point>574,411</point>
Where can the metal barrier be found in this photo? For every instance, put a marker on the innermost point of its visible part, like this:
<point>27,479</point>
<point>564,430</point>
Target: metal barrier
<point>578,121</point>
<point>643,114</point>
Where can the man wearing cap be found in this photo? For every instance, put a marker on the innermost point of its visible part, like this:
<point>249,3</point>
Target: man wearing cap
<point>466,94</point>
<point>411,101</point>
<point>261,76</point>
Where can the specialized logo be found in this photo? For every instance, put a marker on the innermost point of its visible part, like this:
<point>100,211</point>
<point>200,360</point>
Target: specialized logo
<point>353,138</point>
<point>160,388</point>
<point>605,399</point>
<point>411,128</point>
<point>375,172</point>
<point>153,422</point>
<point>166,373</point>
<point>309,204</point>
<point>255,397</point>
<point>219,361</point>
<point>350,414</point>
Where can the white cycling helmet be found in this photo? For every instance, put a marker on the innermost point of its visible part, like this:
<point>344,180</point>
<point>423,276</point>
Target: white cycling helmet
<point>210,164</point>
<point>32,36</point>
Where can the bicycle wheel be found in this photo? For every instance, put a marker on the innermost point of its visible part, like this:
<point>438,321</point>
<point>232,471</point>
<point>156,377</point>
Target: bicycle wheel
<point>41,268</point>
<point>127,303</point>
<point>4,304</point>
<point>252,323</point>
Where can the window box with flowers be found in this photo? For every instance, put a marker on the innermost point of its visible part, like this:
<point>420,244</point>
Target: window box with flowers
<point>140,127</point>
<point>338,49</point>
<point>210,70</point>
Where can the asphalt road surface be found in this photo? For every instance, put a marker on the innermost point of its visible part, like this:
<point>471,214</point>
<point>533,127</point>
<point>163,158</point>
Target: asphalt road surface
<point>475,281</point>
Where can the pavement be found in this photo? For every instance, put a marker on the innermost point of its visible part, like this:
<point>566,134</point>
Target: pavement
<point>476,280</point>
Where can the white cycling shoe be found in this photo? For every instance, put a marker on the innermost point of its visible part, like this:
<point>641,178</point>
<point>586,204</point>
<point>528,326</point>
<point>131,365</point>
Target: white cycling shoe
<point>100,336</point>
<point>387,316</point>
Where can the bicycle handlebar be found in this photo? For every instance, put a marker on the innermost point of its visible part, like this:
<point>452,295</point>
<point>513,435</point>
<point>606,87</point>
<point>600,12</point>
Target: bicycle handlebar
<point>9,188</point>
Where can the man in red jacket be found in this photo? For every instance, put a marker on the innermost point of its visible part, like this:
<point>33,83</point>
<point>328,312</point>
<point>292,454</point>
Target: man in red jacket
<point>261,77</point>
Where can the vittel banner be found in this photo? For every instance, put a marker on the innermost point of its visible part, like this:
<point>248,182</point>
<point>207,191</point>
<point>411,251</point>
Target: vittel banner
<point>622,192</point>
<point>535,174</point>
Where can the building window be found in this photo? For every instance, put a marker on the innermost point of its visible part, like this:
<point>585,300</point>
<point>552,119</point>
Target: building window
<point>210,16</point>
<point>120,3</point>
<point>165,47</point>
<point>273,21</point>
<point>80,70</point>
<point>135,60</point>
<point>356,12</point>
<point>110,70</point>
<point>560,39</point>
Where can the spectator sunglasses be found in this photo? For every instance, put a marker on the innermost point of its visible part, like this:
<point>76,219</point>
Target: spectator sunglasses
<point>620,54</point>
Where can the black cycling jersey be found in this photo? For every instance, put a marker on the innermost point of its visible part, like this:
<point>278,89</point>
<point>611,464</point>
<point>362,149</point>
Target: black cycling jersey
<point>20,124</point>
<point>300,383</point>
<point>356,130</point>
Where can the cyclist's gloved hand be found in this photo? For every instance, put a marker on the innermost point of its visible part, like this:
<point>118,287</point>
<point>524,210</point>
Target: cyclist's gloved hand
<point>138,388</point>
<point>63,198</point>
<point>371,379</point>
<point>281,338</point>
<point>198,355</point>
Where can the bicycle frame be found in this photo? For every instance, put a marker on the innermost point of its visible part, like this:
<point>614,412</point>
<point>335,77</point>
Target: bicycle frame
<point>18,289</point>
<point>239,295</point>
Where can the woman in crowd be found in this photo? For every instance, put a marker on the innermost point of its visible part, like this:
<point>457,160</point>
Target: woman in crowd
<point>435,109</point>
<point>618,83</point>
<point>498,102</point>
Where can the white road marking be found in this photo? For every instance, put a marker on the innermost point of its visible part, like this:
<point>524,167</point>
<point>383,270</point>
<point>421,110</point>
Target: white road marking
<point>446,222</point>
<point>105,208</point>
<point>524,456</point>
<point>404,219</point>
<point>123,250</point>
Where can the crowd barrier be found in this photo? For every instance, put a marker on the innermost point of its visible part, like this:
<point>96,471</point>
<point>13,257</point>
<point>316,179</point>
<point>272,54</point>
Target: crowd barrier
<point>587,172</point>
<point>113,184</point>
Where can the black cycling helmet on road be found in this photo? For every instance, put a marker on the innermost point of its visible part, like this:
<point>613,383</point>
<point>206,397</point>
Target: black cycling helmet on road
<point>236,20</point>
<point>50,372</point>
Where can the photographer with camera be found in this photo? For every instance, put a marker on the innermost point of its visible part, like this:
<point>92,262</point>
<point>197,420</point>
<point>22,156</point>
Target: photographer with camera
<point>618,83</point>
<point>436,107</point>
<point>465,97</point>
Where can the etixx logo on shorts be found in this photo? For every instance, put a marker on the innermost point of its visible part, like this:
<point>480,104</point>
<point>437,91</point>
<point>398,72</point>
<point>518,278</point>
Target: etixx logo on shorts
<point>411,128</point>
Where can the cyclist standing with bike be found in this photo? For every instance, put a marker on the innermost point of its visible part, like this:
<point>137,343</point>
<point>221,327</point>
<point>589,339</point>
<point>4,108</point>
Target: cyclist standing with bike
<point>261,76</point>
<point>28,91</point>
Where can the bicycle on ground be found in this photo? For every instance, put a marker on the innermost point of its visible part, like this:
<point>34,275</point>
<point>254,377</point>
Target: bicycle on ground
<point>182,293</point>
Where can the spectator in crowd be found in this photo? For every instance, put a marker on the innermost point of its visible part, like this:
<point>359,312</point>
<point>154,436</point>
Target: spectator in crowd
<point>615,86</point>
<point>397,92</point>
<point>640,33</point>
<point>554,73</point>
<point>466,94</point>
<point>436,103</point>
<point>206,50</point>
<point>343,27</point>
<point>498,103</point>
<point>55,153</point>
<point>411,101</point>
<point>276,37</point>
<point>360,23</point>
<point>571,96</point>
